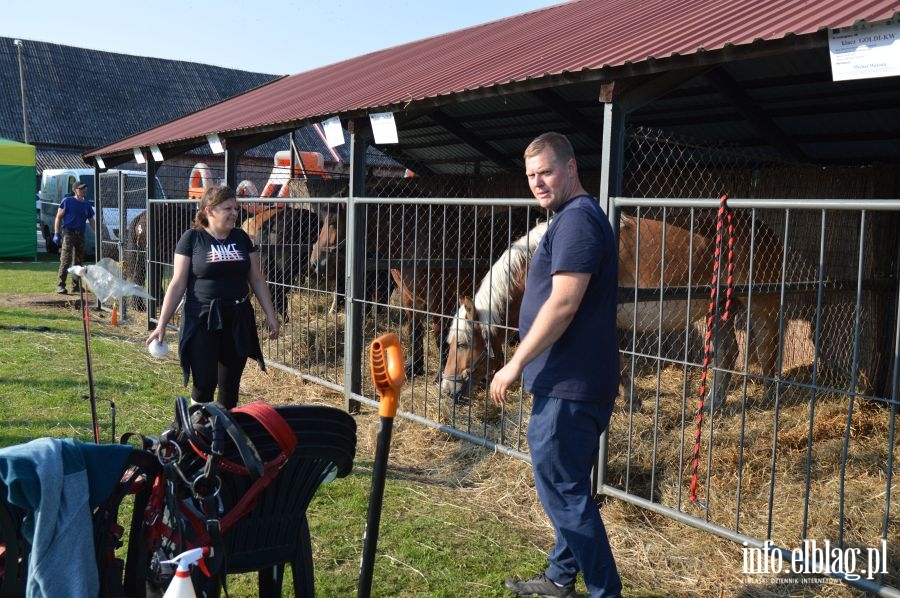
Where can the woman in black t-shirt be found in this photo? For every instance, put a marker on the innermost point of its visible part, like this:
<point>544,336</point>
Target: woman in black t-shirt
<point>215,262</point>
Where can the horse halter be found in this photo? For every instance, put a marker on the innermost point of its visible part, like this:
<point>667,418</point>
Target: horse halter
<point>323,254</point>
<point>331,248</point>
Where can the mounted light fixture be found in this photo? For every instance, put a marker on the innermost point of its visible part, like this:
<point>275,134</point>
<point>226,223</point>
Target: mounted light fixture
<point>157,153</point>
<point>139,156</point>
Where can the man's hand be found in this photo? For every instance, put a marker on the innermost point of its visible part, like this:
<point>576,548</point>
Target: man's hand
<point>502,380</point>
<point>56,239</point>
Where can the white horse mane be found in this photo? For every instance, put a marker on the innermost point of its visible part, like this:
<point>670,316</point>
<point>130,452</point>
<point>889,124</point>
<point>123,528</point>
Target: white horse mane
<point>490,300</point>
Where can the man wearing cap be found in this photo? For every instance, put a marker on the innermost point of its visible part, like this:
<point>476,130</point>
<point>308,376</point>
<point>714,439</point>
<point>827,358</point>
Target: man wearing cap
<point>68,233</point>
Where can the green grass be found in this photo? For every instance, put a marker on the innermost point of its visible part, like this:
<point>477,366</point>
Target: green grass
<point>431,542</point>
<point>30,276</point>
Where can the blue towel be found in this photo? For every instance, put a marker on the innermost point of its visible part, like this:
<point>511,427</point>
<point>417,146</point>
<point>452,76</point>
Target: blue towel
<point>56,482</point>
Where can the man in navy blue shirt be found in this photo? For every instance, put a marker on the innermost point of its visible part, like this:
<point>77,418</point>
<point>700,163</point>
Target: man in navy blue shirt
<point>68,233</point>
<point>570,360</point>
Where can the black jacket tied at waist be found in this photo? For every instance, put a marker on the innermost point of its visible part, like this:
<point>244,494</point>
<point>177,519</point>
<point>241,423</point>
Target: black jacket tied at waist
<point>214,318</point>
<point>216,315</point>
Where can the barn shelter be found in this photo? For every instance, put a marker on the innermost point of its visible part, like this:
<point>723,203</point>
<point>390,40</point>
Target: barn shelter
<point>669,106</point>
<point>17,217</point>
<point>119,95</point>
<point>107,85</point>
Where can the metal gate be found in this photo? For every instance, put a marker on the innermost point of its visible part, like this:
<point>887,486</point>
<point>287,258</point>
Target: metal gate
<point>121,199</point>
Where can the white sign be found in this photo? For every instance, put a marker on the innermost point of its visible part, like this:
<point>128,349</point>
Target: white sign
<point>139,156</point>
<point>215,144</point>
<point>865,50</point>
<point>334,134</point>
<point>384,128</point>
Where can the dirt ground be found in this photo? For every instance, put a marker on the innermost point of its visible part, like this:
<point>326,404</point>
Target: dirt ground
<point>31,300</point>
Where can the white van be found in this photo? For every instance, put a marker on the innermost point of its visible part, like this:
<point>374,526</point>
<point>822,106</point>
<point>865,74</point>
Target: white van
<point>56,183</point>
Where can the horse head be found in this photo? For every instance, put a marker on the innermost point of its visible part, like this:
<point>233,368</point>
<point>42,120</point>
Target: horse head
<point>135,246</point>
<point>327,253</point>
<point>150,242</point>
<point>470,352</point>
<point>474,344</point>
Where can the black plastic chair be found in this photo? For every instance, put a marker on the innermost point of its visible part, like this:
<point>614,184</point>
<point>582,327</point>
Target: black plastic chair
<point>276,532</point>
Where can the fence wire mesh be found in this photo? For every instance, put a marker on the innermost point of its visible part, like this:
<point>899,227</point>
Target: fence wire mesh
<point>798,442</point>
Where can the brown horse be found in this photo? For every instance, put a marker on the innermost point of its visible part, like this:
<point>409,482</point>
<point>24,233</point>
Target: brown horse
<point>475,340</point>
<point>326,257</point>
<point>438,266</point>
<point>474,349</point>
<point>169,221</point>
<point>283,236</point>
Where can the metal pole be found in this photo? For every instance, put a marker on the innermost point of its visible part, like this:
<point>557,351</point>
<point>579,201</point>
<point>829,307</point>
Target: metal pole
<point>18,44</point>
<point>355,270</point>
<point>613,138</point>
<point>86,321</point>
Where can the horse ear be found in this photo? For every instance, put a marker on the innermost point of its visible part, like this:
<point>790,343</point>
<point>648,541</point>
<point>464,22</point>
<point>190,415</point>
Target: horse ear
<point>398,278</point>
<point>466,303</point>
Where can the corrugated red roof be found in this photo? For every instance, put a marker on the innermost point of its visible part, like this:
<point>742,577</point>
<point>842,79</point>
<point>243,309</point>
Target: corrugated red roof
<point>565,38</point>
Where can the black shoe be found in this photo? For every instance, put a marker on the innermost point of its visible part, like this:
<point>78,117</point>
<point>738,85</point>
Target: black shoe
<point>60,290</point>
<point>539,585</point>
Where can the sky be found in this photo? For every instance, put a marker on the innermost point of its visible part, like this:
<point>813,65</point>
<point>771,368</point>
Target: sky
<point>281,38</point>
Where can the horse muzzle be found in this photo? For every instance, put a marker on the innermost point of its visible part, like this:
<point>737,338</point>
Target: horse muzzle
<point>459,387</point>
<point>453,386</point>
<point>323,261</point>
<point>318,264</point>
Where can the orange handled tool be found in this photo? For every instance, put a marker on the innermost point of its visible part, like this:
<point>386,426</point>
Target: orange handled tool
<point>388,372</point>
<point>388,376</point>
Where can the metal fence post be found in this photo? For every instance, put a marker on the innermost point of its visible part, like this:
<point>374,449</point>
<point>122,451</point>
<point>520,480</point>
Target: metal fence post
<point>610,188</point>
<point>355,269</point>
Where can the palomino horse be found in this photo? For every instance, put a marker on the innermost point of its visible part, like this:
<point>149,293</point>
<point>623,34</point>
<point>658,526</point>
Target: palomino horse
<point>284,236</point>
<point>474,341</point>
<point>435,269</point>
<point>665,253</point>
<point>432,254</point>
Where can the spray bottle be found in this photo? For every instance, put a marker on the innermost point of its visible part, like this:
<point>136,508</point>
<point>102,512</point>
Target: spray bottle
<point>181,586</point>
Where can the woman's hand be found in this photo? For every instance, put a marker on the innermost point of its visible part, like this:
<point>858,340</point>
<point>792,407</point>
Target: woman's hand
<point>274,327</point>
<point>158,334</point>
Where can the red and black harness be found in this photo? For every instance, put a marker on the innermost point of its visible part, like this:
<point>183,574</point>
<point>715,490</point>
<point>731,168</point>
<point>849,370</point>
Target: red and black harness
<point>185,508</point>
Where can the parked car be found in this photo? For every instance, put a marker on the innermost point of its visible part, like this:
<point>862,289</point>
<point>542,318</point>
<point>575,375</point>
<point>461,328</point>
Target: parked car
<point>56,183</point>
